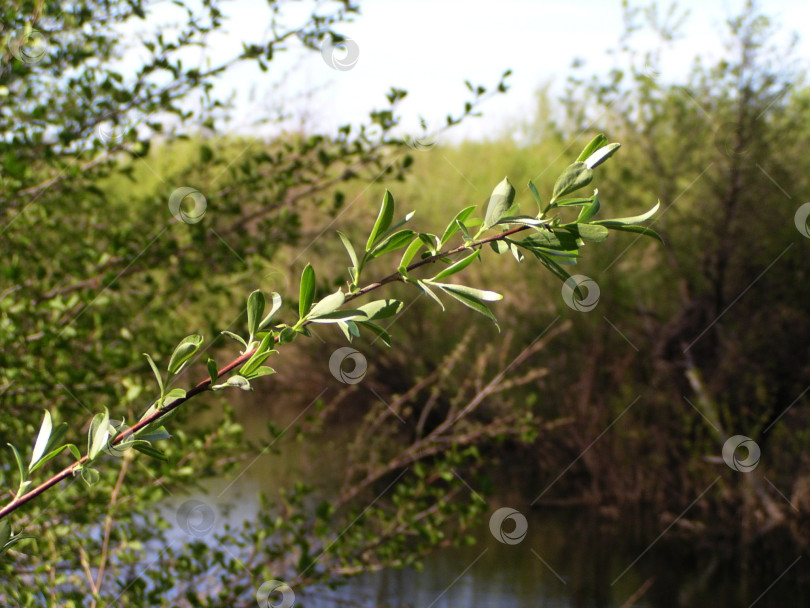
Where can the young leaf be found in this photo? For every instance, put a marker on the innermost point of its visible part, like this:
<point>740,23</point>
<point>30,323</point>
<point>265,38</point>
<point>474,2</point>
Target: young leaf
<point>636,229</point>
<point>458,266</point>
<point>20,468</point>
<point>155,371</point>
<point>590,210</point>
<point>255,310</point>
<point>379,331</point>
<point>213,372</point>
<point>453,226</point>
<point>573,178</point>
<point>589,232</point>
<point>99,433</point>
<point>381,309</point>
<point>307,291</point>
<point>472,292</point>
<point>184,351</point>
<point>233,336</point>
<point>49,456</point>
<point>276,299</point>
<point>261,371</point>
<point>596,143</point>
<point>336,316</point>
<point>173,395</point>
<point>151,451</point>
<point>601,155</point>
<point>636,219</point>
<point>500,203</point>
<point>536,196</point>
<point>43,438</point>
<point>90,476</point>
<point>383,222</point>
<point>470,302</point>
<point>239,382</point>
<point>329,304</point>
<point>349,248</point>
<point>428,291</point>
<point>408,256</point>
<point>393,242</point>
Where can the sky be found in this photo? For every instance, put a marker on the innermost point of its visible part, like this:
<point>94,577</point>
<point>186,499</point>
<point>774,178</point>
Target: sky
<point>430,47</point>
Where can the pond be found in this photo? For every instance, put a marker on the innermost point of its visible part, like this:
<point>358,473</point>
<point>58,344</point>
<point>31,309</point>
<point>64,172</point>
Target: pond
<point>556,557</point>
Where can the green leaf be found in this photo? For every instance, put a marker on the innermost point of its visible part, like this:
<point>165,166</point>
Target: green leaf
<point>428,291</point>
<point>347,314</point>
<point>276,299</point>
<point>184,351</point>
<point>393,242</point>
<point>172,396</point>
<point>43,438</point>
<point>307,292</point>
<point>575,202</point>
<point>349,329</point>
<point>536,196</point>
<point>472,292</point>
<point>501,203</point>
<point>458,266</point>
<point>155,434</point>
<point>573,178</point>
<point>381,309</point>
<point>596,143</point>
<point>90,476</point>
<point>99,433</point>
<point>636,219</point>
<point>635,229</point>
<point>379,331</point>
<point>20,468</point>
<point>48,457</point>
<point>5,534</point>
<point>349,248</point>
<point>470,302</point>
<point>383,222</point>
<point>213,372</point>
<point>499,247</point>
<point>233,336</point>
<point>74,451</point>
<point>239,382</point>
<point>590,210</point>
<point>557,270</point>
<point>261,371</point>
<point>601,155</point>
<point>408,256</point>
<point>556,239</point>
<point>589,232</point>
<point>329,304</point>
<point>155,371</point>
<point>255,310</point>
<point>259,357</point>
<point>453,226</point>
<point>151,451</point>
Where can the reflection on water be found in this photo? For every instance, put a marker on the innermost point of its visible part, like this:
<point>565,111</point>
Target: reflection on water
<point>569,557</point>
<point>572,559</point>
